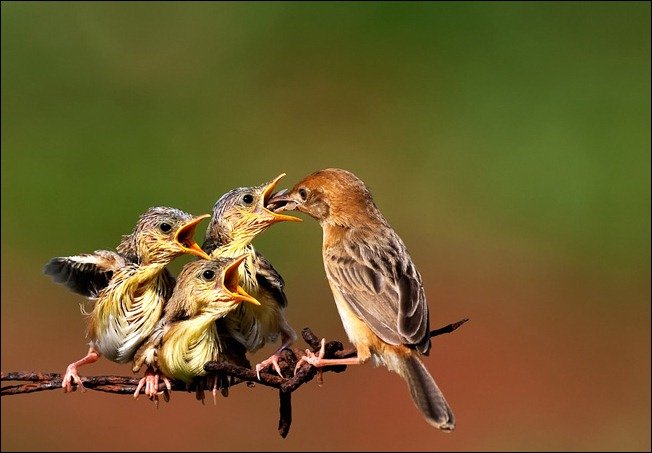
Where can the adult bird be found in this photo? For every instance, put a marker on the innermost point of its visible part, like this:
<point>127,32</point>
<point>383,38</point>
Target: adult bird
<point>377,289</point>
<point>129,286</point>
<point>187,336</point>
<point>237,218</point>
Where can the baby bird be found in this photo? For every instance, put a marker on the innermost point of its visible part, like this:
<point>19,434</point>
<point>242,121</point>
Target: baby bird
<point>187,336</point>
<point>238,217</point>
<point>129,287</point>
<point>377,289</point>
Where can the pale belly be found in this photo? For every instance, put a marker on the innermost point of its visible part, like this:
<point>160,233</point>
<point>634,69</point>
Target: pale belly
<point>359,334</point>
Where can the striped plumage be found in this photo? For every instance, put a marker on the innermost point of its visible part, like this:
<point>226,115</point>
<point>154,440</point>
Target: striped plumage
<point>237,218</point>
<point>377,289</point>
<point>130,286</point>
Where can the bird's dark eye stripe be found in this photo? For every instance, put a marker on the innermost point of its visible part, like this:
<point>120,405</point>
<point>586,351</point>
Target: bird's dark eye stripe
<point>248,199</point>
<point>208,275</point>
<point>165,227</point>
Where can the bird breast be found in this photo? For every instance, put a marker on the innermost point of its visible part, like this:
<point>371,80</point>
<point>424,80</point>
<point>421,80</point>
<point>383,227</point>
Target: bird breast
<point>126,313</point>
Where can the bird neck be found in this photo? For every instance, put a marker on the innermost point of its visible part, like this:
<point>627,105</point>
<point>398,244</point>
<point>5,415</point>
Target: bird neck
<point>234,249</point>
<point>234,241</point>
<point>353,216</point>
<point>150,270</point>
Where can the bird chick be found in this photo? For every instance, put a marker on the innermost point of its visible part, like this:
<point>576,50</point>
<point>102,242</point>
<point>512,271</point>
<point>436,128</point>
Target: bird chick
<point>238,217</point>
<point>129,286</point>
<point>187,336</point>
<point>377,289</point>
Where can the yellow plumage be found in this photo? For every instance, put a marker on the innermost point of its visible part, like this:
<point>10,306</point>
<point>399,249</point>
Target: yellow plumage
<point>187,336</point>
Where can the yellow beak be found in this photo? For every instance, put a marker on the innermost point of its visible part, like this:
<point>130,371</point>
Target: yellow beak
<point>267,194</point>
<point>184,237</point>
<point>230,281</point>
<point>242,296</point>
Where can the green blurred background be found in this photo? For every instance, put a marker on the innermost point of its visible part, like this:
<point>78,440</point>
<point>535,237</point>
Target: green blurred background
<point>507,143</point>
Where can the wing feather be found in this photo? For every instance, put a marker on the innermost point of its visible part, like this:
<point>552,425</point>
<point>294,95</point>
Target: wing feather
<point>382,286</point>
<point>270,279</point>
<point>85,274</point>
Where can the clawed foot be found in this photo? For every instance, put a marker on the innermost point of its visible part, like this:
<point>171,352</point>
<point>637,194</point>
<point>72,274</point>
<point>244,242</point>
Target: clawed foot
<point>151,382</point>
<point>68,378</point>
<point>214,382</point>
<point>273,360</point>
<point>314,360</point>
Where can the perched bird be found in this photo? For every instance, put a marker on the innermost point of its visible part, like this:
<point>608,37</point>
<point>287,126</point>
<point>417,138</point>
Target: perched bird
<point>376,287</point>
<point>129,287</point>
<point>187,336</point>
<point>238,217</point>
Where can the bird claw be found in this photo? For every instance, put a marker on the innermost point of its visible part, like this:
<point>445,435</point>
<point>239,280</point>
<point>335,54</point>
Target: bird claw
<point>151,382</point>
<point>313,359</point>
<point>272,360</point>
<point>215,385</point>
<point>70,376</point>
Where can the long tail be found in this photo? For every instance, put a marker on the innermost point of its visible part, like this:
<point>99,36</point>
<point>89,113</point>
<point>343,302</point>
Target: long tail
<point>425,393</point>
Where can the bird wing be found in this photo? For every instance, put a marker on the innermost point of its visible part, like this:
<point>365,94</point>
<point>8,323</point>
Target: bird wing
<point>379,281</point>
<point>270,279</point>
<point>85,274</point>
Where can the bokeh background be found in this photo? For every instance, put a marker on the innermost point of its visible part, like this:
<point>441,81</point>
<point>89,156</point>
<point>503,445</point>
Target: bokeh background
<point>507,143</point>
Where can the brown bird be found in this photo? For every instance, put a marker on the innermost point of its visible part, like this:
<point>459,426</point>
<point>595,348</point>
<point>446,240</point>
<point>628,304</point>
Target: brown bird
<point>238,217</point>
<point>187,336</point>
<point>129,287</point>
<point>377,289</point>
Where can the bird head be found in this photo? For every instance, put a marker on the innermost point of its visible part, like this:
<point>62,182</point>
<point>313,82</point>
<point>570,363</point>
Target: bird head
<point>330,195</point>
<point>241,214</point>
<point>211,286</point>
<point>161,235</point>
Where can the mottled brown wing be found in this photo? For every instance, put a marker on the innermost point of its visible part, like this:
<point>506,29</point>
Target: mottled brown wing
<point>378,279</point>
<point>85,274</point>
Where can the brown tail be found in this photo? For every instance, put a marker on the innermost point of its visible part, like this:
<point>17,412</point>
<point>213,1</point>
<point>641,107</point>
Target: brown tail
<point>425,393</point>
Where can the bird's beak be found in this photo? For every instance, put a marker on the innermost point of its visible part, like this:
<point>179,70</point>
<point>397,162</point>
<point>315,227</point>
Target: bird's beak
<point>231,283</point>
<point>268,205</point>
<point>283,200</point>
<point>184,237</point>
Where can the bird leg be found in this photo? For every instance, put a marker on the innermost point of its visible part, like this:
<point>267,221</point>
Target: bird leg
<point>318,360</point>
<point>151,381</point>
<point>71,372</point>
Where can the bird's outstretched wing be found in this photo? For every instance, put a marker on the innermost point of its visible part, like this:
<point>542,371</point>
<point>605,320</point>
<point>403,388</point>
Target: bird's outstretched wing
<point>270,279</point>
<point>381,284</point>
<point>85,274</point>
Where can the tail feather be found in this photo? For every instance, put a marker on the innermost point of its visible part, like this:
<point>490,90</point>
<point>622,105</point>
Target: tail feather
<point>425,393</point>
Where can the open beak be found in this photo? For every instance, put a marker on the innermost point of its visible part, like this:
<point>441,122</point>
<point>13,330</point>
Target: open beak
<point>184,237</point>
<point>282,201</point>
<point>230,282</point>
<point>268,200</point>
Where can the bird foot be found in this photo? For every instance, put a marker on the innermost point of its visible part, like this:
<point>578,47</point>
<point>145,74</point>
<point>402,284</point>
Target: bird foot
<point>315,360</point>
<point>70,376</point>
<point>272,360</point>
<point>151,382</point>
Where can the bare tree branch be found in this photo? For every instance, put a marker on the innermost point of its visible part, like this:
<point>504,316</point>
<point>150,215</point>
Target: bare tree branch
<point>38,382</point>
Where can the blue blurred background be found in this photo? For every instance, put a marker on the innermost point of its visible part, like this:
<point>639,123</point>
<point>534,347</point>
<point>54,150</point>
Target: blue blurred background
<point>507,143</point>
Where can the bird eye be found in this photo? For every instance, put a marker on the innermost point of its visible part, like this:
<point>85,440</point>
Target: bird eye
<point>303,193</point>
<point>165,227</point>
<point>248,199</point>
<point>208,275</point>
